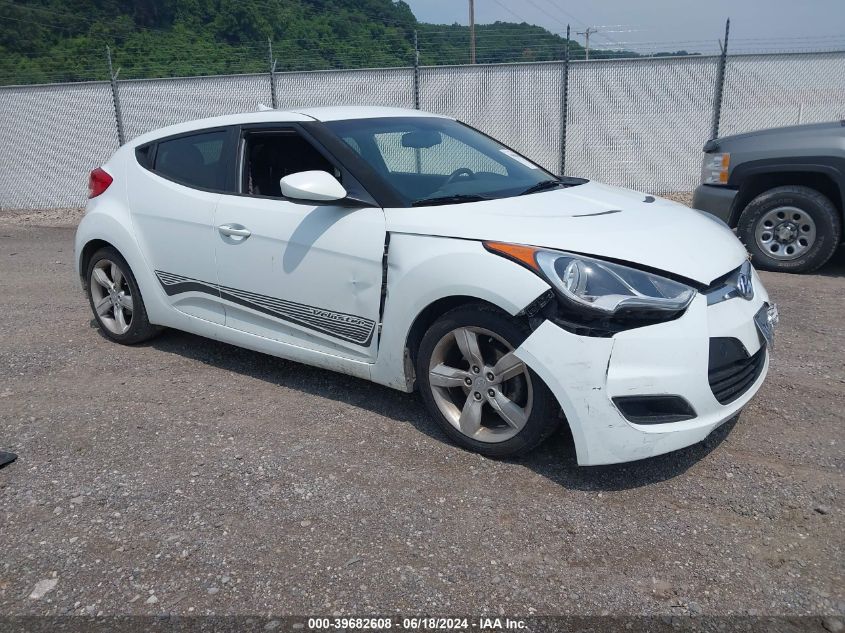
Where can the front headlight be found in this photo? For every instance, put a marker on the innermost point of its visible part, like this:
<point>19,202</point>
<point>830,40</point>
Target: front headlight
<point>598,287</point>
<point>610,288</point>
<point>715,169</point>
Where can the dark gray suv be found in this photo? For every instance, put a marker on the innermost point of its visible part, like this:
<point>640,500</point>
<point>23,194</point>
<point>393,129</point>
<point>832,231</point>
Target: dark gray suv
<point>782,190</point>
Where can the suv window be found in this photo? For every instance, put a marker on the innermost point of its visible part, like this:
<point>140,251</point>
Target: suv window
<point>195,160</point>
<point>270,156</point>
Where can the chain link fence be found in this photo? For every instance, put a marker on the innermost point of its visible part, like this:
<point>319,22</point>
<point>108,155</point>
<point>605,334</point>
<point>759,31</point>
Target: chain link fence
<point>519,104</point>
<point>51,136</point>
<point>148,104</point>
<point>777,90</point>
<point>639,123</point>
<point>378,87</point>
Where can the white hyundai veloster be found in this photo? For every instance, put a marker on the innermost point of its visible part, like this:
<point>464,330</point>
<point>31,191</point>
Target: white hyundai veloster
<point>414,251</point>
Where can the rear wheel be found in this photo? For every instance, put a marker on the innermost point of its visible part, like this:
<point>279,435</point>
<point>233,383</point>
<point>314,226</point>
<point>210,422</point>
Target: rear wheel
<point>790,229</point>
<point>483,396</point>
<point>116,299</point>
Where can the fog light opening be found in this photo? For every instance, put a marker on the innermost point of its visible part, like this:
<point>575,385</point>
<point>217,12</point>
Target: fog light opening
<point>656,409</point>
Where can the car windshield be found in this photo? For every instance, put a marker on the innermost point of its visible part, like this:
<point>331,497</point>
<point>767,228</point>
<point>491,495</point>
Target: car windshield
<point>431,160</point>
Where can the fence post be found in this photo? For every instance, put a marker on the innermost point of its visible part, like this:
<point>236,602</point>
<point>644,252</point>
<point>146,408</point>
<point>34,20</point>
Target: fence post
<point>564,104</point>
<point>274,103</point>
<point>720,84</point>
<point>118,116</point>
<point>416,71</point>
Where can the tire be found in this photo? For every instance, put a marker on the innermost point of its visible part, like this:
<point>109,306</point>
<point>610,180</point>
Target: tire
<point>530,410</point>
<point>806,229</point>
<point>134,326</point>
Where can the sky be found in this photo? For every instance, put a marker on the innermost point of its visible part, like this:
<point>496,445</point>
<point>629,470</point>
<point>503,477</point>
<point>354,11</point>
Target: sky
<point>693,25</point>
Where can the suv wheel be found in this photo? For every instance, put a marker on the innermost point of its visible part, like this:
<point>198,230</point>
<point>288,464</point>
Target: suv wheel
<point>484,397</point>
<point>790,229</point>
<point>116,299</point>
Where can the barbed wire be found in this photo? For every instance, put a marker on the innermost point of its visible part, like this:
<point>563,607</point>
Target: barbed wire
<point>99,74</point>
<point>98,70</point>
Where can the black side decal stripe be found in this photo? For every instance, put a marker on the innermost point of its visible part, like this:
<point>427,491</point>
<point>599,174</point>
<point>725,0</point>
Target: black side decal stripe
<point>340,325</point>
<point>340,321</point>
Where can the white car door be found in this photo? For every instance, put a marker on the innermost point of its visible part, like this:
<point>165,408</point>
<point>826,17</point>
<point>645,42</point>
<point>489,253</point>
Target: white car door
<point>173,193</point>
<point>304,274</point>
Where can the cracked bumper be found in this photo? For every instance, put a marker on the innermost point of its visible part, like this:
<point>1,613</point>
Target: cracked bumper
<point>585,373</point>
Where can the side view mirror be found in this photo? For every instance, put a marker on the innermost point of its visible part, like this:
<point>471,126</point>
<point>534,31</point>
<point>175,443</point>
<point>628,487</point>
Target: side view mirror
<point>312,186</point>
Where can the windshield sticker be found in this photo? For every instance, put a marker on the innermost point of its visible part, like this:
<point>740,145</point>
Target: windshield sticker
<point>518,158</point>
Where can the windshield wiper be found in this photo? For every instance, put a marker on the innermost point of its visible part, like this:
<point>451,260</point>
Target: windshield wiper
<point>543,185</point>
<point>455,198</point>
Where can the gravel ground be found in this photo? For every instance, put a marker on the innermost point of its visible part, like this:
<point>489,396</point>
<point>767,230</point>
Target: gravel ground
<point>188,476</point>
<point>684,197</point>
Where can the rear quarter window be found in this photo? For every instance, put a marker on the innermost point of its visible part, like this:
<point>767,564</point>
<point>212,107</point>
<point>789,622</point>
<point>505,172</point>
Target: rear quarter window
<point>196,160</point>
<point>144,155</point>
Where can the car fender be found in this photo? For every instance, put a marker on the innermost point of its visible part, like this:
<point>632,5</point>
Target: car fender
<point>831,167</point>
<point>108,220</point>
<point>424,269</point>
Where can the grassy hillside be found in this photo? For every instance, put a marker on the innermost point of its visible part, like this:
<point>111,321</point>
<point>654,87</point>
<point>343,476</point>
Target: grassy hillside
<point>65,40</point>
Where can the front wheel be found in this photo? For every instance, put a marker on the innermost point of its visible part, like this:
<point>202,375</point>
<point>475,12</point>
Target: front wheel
<point>790,229</point>
<point>484,397</point>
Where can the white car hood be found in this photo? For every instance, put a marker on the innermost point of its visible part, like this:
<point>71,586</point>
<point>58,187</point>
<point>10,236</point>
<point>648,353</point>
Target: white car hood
<point>592,219</point>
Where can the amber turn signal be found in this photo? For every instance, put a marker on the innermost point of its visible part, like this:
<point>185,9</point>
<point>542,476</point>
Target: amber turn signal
<point>517,252</point>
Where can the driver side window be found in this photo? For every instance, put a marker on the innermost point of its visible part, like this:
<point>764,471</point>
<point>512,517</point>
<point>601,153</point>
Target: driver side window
<point>269,156</point>
<point>441,159</point>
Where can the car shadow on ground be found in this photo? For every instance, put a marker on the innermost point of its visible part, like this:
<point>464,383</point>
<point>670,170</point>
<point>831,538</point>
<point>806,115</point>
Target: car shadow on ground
<point>835,267</point>
<point>555,459</point>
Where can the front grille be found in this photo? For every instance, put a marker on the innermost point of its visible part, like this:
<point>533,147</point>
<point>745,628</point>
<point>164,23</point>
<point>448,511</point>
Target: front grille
<point>720,282</point>
<point>728,286</point>
<point>731,370</point>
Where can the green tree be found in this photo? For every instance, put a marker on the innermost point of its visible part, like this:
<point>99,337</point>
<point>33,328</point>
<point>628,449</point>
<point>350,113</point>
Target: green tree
<point>65,40</point>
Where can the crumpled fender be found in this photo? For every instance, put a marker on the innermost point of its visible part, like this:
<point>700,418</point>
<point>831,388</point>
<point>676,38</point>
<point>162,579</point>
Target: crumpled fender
<point>424,269</point>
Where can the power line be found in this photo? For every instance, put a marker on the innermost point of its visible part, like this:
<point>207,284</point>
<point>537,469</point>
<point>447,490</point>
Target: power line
<point>49,26</point>
<point>546,13</point>
<point>566,13</point>
<point>586,33</point>
<point>576,19</point>
<point>506,8</point>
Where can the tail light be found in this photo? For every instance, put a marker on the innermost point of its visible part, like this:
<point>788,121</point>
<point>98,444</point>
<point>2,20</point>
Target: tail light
<point>98,182</point>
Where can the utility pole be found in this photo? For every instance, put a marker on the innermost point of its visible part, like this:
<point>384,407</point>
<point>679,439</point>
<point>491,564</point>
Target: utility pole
<point>590,30</point>
<point>471,31</point>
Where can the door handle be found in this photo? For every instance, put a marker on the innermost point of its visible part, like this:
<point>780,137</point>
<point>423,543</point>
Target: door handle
<point>234,230</point>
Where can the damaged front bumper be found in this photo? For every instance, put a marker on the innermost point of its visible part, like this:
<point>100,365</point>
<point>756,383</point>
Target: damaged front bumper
<point>677,358</point>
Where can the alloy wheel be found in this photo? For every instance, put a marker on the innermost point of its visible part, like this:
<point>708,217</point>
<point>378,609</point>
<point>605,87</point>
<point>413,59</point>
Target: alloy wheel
<point>479,385</point>
<point>112,296</point>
